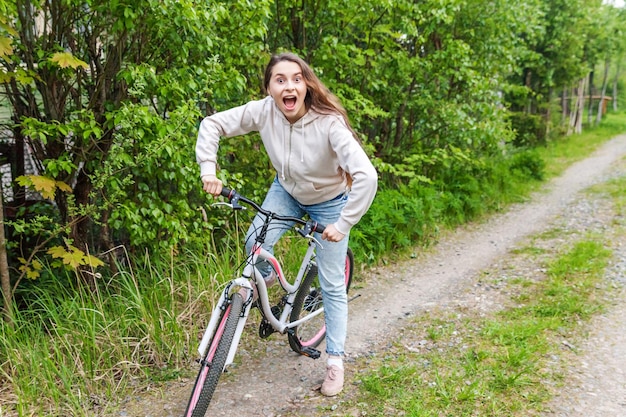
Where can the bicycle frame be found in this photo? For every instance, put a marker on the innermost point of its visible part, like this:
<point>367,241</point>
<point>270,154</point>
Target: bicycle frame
<point>252,287</point>
<point>302,301</point>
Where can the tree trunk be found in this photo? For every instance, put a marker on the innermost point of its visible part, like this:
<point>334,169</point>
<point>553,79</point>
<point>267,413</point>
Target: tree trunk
<point>578,104</point>
<point>298,31</point>
<point>547,117</point>
<point>564,106</point>
<point>5,279</point>
<point>605,81</point>
<point>573,111</point>
<point>18,167</point>
<point>581,105</point>
<point>527,82</point>
<point>615,80</point>
<point>590,107</point>
<point>79,232</point>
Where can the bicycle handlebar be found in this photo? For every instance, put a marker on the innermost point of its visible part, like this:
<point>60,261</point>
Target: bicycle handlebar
<point>234,198</point>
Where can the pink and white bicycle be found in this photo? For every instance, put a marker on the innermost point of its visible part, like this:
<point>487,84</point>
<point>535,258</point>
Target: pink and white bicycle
<point>299,314</point>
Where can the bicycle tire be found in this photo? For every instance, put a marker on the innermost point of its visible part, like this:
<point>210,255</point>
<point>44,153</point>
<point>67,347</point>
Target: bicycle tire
<point>212,365</point>
<point>308,299</point>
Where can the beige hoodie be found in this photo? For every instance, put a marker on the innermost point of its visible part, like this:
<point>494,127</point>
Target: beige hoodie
<point>310,156</point>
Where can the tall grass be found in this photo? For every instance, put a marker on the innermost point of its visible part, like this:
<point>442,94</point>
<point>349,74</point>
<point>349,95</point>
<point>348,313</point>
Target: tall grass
<point>71,351</point>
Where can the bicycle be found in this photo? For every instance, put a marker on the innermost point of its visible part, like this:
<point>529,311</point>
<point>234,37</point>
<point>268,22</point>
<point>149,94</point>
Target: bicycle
<point>299,313</point>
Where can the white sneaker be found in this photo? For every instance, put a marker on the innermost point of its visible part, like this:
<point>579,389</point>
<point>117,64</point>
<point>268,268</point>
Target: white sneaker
<point>333,384</point>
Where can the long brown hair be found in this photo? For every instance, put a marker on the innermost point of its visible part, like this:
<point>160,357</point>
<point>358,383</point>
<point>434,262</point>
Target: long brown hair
<point>318,96</point>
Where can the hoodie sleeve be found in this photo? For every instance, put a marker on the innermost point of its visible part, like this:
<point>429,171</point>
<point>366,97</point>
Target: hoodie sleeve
<point>354,161</point>
<point>233,122</point>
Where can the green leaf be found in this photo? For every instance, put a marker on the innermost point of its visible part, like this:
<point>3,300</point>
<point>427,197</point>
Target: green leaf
<point>56,251</point>
<point>66,59</point>
<point>73,259</point>
<point>6,49</point>
<point>92,261</point>
<point>44,185</point>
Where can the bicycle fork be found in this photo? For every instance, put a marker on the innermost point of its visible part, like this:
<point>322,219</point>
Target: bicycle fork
<point>243,286</point>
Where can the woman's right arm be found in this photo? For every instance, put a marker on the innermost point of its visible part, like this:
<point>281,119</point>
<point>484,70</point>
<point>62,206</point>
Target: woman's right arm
<point>233,122</point>
<point>206,155</point>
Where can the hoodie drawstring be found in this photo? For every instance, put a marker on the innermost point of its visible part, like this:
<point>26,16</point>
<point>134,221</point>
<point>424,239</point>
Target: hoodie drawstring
<point>282,168</point>
<point>302,135</point>
<point>286,154</point>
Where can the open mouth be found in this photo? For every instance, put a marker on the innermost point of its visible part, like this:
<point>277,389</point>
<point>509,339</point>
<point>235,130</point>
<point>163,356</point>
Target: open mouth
<point>289,102</point>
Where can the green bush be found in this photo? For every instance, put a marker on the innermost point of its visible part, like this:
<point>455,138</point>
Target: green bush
<point>530,129</point>
<point>397,219</point>
<point>527,163</point>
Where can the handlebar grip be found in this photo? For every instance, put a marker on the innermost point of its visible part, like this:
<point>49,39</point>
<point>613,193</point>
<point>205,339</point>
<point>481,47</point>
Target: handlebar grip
<point>309,227</point>
<point>227,192</point>
<point>319,228</point>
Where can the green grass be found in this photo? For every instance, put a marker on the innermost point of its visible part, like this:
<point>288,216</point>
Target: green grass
<point>469,365</point>
<point>560,154</point>
<point>616,188</point>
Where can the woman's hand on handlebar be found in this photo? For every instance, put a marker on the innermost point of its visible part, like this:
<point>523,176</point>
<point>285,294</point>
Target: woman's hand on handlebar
<point>331,234</point>
<point>211,184</point>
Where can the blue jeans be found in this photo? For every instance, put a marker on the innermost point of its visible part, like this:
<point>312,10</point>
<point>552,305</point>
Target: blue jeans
<point>331,259</point>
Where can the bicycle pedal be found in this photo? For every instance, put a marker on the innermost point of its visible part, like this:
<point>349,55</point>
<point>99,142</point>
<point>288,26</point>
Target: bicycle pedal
<point>310,352</point>
<point>265,329</point>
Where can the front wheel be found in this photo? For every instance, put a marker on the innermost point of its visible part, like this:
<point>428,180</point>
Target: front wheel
<point>212,365</point>
<point>308,300</point>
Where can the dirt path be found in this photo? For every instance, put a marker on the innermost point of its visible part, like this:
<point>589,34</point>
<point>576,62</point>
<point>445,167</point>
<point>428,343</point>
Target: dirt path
<point>271,381</point>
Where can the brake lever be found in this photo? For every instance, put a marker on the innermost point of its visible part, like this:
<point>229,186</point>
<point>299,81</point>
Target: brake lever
<point>305,232</point>
<point>317,242</point>
<point>232,205</point>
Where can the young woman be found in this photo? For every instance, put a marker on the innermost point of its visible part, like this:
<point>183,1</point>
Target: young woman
<point>321,170</point>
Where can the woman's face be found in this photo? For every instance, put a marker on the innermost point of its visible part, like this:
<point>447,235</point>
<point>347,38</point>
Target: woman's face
<point>288,89</point>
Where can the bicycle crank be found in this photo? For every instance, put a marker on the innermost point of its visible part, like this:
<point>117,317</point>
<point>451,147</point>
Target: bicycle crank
<point>266,328</point>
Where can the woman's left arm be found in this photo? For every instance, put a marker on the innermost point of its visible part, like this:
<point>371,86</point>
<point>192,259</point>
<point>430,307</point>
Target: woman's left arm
<point>354,161</point>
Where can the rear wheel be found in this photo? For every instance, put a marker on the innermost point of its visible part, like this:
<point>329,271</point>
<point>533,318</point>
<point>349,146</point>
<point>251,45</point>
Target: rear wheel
<point>308,300</point>
<point>212,365</point>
